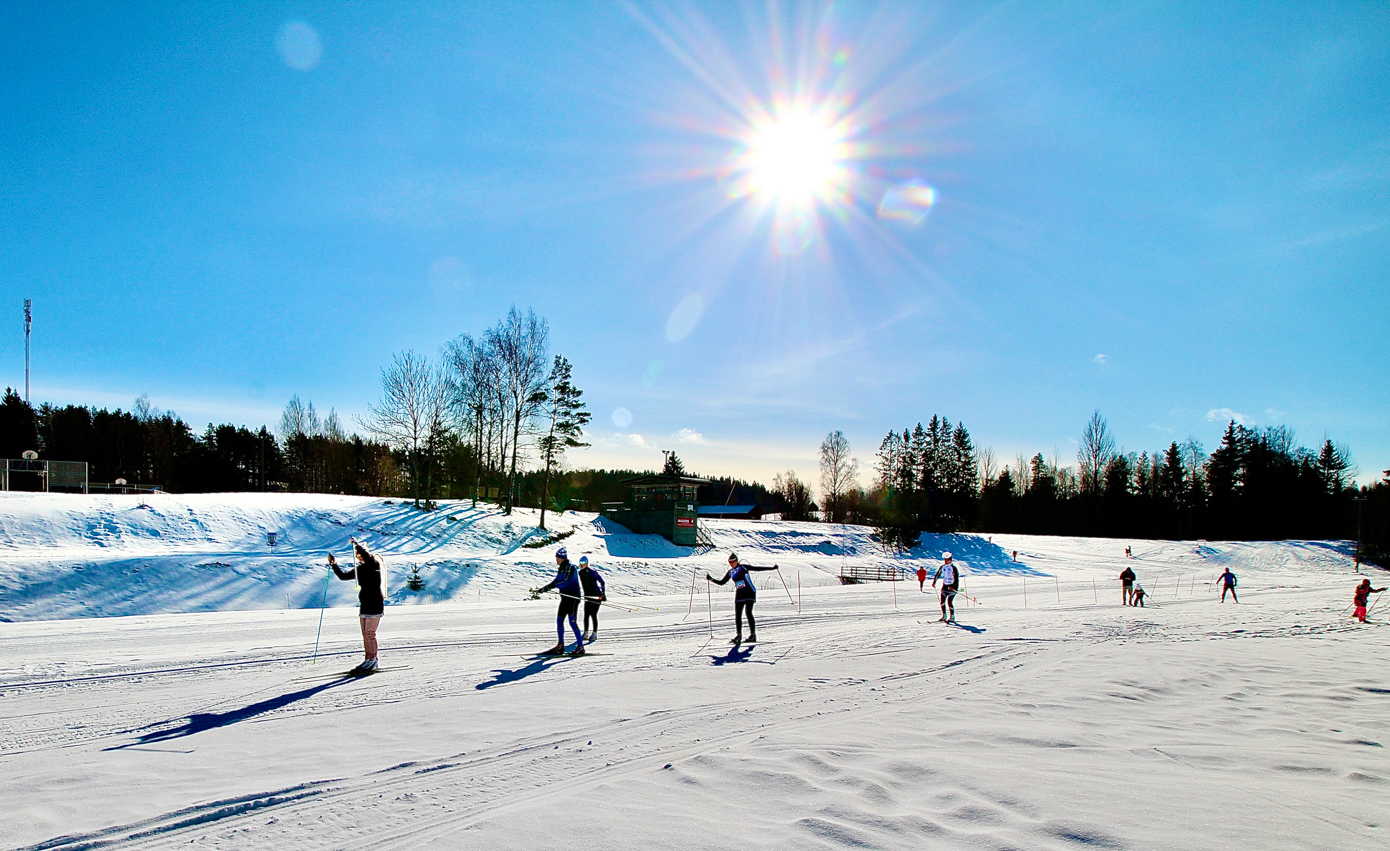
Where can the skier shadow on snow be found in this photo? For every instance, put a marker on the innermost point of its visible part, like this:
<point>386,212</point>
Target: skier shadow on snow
<point>968,628</point>
<point>739,653</point>
<point>200,722</point>
<point>502,676</point>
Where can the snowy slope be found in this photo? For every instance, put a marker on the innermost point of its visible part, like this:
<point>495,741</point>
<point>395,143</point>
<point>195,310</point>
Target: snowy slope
<point>1049,718</point>
<point>76,556</point>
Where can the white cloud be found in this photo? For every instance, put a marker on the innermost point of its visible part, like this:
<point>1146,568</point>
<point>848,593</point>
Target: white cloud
<point>690,436</point>
<point>636,440</point>
<point>1103,360</point>
<point>1224,415</point>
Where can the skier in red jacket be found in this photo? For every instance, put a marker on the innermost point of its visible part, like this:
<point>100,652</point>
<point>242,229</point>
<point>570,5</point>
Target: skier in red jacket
<point>1363,596</point>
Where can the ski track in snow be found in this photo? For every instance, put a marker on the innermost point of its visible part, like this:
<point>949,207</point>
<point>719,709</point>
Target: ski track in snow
<point>1062,722</point>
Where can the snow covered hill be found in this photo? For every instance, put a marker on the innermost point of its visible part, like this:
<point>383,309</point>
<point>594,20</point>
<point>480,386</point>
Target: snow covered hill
<point>1049,717</point>
<point>64,556</point>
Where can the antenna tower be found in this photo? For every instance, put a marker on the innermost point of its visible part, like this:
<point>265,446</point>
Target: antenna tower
<point>28,324</point>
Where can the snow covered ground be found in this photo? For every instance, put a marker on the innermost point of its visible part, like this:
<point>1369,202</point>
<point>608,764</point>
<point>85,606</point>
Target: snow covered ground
<point>1051,717</point>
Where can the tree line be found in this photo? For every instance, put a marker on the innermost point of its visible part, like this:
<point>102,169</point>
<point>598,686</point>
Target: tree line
<point>1258,484</point>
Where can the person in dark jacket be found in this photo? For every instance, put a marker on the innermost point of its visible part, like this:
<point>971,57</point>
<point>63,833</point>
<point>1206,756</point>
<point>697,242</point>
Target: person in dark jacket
<point>1228,583</point>
<point>1127,578</point>
<point>594,595</point>
<point>566,582</point>
<point>1363,596</point>
<point>745,595</point>
<point>370,573</point>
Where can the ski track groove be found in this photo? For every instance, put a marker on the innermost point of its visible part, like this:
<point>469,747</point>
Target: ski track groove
<point>503,773</point>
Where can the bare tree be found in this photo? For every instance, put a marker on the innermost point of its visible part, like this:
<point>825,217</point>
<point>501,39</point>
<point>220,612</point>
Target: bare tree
<point>1096,450</point>
<point>411,411</point>
<point>299,418</point>
<point>799,504</point>
<point>472,373</point>
<point>522,343</point>
<point>839,474</point>
<point>989,468</point>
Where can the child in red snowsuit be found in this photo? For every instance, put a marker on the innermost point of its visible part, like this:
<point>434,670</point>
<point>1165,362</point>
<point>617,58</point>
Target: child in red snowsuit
<point>1363,595</point>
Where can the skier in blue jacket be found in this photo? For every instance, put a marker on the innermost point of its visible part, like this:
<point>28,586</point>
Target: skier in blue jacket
<point>566,582</point>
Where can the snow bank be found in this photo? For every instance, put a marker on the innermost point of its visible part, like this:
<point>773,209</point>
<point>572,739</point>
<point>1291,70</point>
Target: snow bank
<point>64,556</point>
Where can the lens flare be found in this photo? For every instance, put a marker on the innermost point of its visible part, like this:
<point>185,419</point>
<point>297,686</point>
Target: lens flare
<point>907,202</point>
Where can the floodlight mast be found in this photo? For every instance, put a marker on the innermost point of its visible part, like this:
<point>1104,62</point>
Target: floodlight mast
<point>28,324</point>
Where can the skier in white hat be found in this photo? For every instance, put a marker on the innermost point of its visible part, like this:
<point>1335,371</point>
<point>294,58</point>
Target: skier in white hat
<point>949,575</point>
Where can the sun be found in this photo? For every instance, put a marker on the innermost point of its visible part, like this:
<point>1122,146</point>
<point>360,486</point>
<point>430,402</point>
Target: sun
<point>795,157</point>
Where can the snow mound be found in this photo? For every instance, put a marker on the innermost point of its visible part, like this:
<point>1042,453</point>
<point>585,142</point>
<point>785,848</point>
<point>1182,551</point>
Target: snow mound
<point>70,555</point>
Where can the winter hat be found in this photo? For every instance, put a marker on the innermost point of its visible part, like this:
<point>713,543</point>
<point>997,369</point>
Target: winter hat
<point>560,553</point>
<point>583,559</point>
<point>733,557</point>
<point>946,555</point>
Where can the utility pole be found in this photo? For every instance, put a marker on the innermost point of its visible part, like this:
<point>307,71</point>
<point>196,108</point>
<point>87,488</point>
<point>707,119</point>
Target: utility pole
<point>28,324</point>
<point>1360,501</point>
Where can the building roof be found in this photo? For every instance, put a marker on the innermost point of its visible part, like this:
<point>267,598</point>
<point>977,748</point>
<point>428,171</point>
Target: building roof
<point>727,509</point>
<point>663,479</point>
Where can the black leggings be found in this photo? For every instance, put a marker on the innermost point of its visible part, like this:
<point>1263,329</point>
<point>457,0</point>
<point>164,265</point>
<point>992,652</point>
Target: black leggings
<point>591,614</point>
<point>741,607</point>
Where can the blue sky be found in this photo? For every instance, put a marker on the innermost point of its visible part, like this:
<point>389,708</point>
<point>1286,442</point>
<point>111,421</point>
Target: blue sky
<point>1171,213</point>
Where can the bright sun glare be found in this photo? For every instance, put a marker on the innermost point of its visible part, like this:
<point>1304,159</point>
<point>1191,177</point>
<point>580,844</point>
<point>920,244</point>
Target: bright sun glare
<point>796,158</point>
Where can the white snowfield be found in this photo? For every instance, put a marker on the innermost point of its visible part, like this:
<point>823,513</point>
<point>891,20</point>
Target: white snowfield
<point>1049,717</point>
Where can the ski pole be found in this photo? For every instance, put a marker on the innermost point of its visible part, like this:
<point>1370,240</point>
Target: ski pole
<point>790,601</point>
<point>601,602</point>
<point>323,606</point>
<point>709,605</point>
<point>1373,605</point>
<point>691,603</point>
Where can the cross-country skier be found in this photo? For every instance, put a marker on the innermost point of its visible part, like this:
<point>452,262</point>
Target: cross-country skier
<point>566,581</point>
<point>745,595</point>
<point>1228,583</point>
<point>370,573</point>
<point>1127,586</point>
<point>1363,596</point>
<point>594,595</point>
<point>922,579</point>
<point>949,575</point>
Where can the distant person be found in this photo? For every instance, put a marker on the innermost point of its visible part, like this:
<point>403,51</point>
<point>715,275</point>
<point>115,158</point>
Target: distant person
<point>1127,578</point>
<point>745,595</point>
<point>1228,583</point>
<point>594,595</point>
<point>370,573</point>
<point>1015,555</point>
<point>922,579</point>
<point>566,582</point>
<point>1129,553</point>
<point>950,581</point>
<point>1138,597</point>
<point>1363,596</point>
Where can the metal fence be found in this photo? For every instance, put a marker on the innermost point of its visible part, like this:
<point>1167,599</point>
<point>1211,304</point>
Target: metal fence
<point>45,476</point>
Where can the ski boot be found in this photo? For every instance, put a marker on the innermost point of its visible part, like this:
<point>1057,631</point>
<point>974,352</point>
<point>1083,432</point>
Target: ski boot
<point>577,652</point>
<point>557,650</point>
<point>752,638</point>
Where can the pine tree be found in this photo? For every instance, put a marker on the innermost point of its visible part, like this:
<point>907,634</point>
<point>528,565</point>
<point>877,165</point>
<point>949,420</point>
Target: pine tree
<point>673,466</point>
<point>567,417</point>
